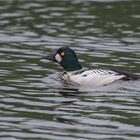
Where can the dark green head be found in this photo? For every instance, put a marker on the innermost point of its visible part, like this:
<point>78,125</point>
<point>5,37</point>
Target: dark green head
<point>67,58</point>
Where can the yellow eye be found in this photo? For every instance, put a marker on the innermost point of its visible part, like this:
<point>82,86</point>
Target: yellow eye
<point>62,53</point>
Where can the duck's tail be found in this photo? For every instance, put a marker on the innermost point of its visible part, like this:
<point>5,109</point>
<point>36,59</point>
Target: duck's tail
<point>128,76</point>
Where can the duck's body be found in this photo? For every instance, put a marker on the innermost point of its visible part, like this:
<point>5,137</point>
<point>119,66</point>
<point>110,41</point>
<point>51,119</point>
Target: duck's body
<point>95,77</point>
<point>75,74</point>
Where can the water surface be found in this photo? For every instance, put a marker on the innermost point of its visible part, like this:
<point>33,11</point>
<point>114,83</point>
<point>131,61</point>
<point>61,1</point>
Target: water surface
<point>35,103</point>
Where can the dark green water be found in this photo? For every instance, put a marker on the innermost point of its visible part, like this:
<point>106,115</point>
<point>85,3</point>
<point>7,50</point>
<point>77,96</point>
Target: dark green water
<point>34,103</point>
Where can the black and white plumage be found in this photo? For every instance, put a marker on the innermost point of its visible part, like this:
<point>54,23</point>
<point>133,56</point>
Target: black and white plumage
<point>96,77</point>
<point>74,73</point>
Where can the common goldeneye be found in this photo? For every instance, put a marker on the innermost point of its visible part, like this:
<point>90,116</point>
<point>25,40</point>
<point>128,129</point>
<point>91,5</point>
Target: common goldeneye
<point>74,73</point>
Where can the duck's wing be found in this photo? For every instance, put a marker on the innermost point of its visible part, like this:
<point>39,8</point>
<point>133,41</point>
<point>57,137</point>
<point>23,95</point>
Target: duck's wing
<point>95,77</point>
<point>112,72</point>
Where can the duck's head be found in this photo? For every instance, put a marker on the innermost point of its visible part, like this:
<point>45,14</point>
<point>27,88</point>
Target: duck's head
<point>66,57</point>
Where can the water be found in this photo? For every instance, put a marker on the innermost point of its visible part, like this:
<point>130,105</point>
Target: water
<point>34,103</point>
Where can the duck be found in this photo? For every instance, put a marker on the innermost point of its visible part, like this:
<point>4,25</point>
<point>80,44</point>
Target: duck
<point>76,74</point>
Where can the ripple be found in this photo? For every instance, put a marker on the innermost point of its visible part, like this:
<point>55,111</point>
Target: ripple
<point>35,103</point>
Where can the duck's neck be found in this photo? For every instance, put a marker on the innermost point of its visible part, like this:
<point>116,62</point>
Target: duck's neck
<point>70,67</point>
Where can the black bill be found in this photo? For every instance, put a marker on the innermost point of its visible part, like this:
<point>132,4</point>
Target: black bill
<point>50,57</point>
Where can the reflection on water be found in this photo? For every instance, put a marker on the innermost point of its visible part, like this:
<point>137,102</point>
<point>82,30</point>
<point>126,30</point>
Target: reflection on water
<point>35,103</point>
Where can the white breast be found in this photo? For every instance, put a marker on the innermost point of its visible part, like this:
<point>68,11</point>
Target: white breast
<point>95,77</point>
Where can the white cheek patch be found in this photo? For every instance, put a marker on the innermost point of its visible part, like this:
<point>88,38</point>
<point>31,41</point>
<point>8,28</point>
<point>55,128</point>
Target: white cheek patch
<point>58,58</point>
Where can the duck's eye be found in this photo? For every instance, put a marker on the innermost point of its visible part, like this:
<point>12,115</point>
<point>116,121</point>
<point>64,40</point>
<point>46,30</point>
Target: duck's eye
<point>62,53</point>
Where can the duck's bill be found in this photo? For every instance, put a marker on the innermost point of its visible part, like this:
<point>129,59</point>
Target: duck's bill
<point>49,57</point>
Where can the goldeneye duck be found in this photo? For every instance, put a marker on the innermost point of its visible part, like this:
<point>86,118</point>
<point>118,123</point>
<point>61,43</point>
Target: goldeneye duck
<point>74,72</point>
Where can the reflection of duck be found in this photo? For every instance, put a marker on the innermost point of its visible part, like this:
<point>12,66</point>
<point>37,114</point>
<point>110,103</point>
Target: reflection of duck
<point>69,92</point>
<point>74,73</point>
